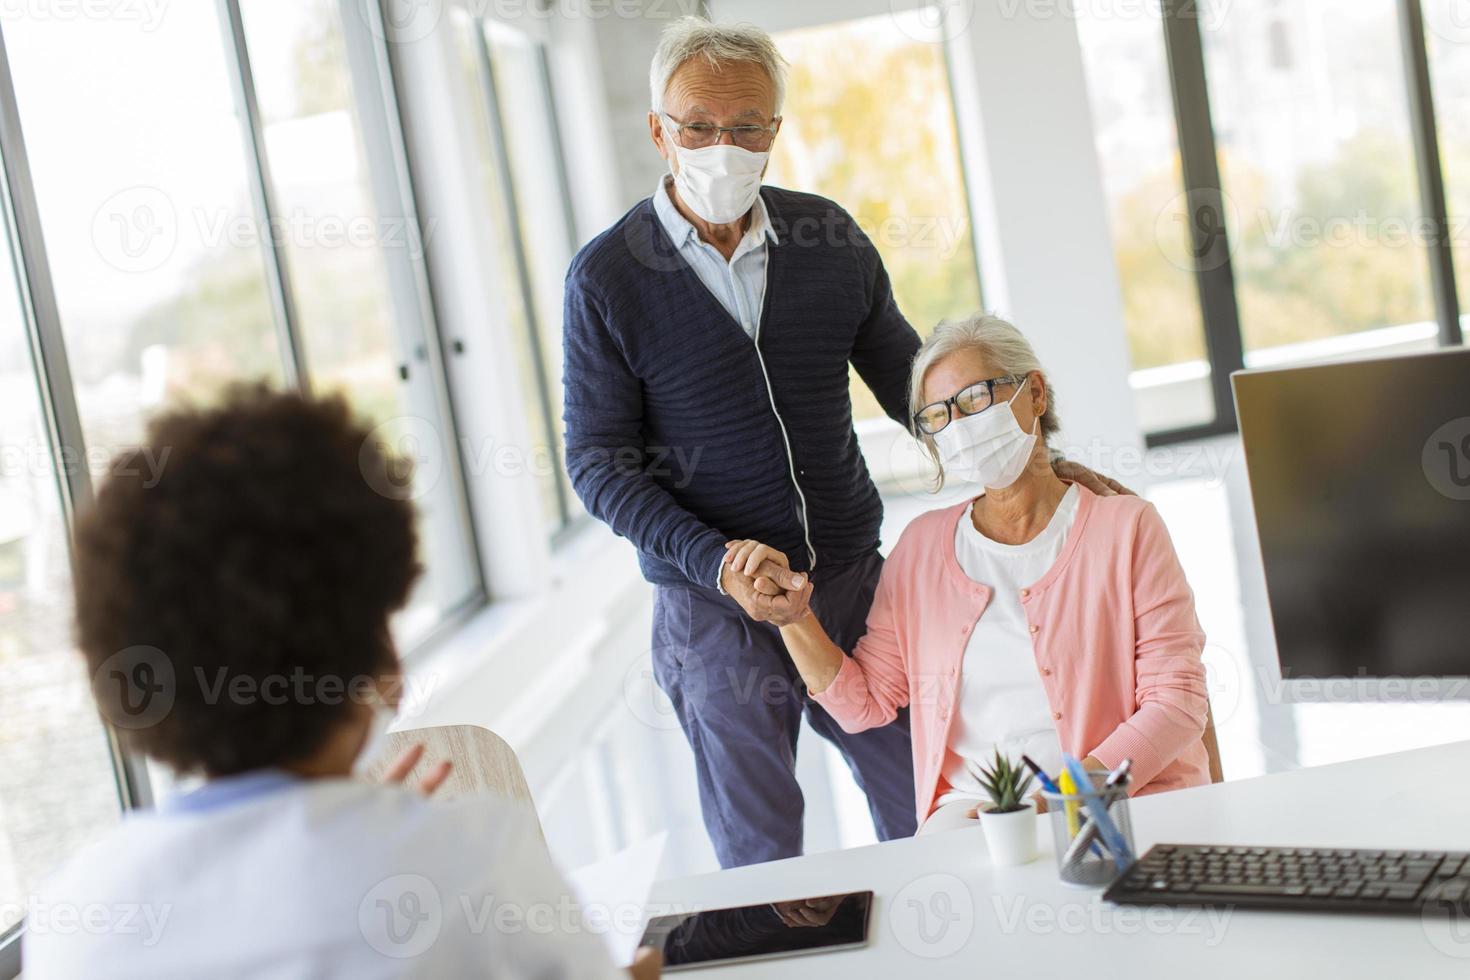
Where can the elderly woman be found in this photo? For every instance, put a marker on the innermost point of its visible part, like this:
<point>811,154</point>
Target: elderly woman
<point>1034,617</point>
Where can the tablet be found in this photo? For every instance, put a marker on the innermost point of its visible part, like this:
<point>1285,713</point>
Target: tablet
<point>761,932</point>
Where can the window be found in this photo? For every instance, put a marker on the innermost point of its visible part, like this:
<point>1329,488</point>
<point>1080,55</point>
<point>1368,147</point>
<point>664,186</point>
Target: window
<point>514,137</point>
<point>56,784</point>
<point>356,339</point>
<point>538,172</point>
<point>1307,139</point>
<point>1317,160</point>
<point>1138,149</point>
<point>869,124</point>
<point>178,268</point>
<point>145,205</point>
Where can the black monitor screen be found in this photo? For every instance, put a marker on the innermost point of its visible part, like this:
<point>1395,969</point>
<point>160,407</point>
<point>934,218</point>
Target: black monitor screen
<point>1360,475</point>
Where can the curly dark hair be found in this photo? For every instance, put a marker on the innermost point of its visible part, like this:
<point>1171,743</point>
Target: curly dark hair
<point>235,578</point>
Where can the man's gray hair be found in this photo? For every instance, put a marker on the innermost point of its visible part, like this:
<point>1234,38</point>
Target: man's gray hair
<point>718,44</point>
<point>1001,344</point>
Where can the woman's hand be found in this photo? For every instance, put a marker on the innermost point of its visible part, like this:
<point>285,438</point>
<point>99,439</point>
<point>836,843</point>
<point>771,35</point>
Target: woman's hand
<point>746,557</point>
<point>762,566</point>
<point>403,765</point>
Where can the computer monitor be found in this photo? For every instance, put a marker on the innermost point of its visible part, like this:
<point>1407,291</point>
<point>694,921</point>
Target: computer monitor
<point>1360,476</point>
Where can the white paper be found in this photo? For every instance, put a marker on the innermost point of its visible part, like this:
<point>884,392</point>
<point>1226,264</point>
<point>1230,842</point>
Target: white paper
<point>614,894</point>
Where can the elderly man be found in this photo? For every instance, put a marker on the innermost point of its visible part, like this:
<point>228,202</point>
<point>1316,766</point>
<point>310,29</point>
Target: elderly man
<point>708,336</point>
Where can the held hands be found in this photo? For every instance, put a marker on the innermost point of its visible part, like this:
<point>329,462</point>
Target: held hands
<point>760,578</point>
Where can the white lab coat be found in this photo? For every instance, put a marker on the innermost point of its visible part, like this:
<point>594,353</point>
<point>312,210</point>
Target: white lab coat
<point>320,878</point>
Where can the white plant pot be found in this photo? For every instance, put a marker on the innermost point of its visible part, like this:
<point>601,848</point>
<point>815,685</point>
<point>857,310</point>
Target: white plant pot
<point>1011,837</point>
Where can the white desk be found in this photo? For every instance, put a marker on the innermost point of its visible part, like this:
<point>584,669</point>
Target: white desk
<point>1023,922</point>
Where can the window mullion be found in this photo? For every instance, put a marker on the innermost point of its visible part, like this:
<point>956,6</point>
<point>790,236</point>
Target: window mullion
<point>1209,238</point>
<point>278,278</point>
<point>1433,208</point>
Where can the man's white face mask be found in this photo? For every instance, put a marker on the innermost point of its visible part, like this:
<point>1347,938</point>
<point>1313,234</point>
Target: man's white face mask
<point>719,182</point>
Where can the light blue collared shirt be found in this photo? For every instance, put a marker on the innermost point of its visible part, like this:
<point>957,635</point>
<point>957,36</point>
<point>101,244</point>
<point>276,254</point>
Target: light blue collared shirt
<point>740,284</point>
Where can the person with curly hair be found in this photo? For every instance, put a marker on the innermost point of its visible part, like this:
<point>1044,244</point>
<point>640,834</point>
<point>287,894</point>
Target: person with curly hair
<point>234,616</point>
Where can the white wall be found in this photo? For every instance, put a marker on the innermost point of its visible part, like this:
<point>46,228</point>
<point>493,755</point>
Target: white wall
<point>1040,217</point>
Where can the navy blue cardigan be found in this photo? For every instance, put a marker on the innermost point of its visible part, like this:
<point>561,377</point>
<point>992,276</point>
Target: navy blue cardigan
<point>671,434</point>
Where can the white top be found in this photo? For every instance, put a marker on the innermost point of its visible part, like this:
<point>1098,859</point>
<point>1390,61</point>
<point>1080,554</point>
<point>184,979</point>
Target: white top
<point>739,284</point>
<point>1001,701</point>
<point>266,876</point>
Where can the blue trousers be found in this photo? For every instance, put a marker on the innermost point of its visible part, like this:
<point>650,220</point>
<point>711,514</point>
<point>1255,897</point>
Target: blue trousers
<point>740,700</point>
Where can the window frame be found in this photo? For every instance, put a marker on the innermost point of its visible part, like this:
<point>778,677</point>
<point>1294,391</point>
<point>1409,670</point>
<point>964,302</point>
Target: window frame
<point>567,517</point>
<point>1213,270</point>
<point>416,325</point>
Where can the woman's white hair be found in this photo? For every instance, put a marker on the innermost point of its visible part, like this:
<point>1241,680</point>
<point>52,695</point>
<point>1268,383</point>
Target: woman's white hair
<point>1003,346</point>
<point>718,44</point>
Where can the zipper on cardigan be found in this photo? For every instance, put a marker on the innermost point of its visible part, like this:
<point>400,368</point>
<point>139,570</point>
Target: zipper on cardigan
<point>806,529</point>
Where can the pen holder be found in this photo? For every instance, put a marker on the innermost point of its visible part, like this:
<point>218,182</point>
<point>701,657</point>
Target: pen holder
<point>1085,853</point>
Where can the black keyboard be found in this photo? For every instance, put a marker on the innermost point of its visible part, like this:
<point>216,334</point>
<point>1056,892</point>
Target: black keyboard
<point>1319,879</point>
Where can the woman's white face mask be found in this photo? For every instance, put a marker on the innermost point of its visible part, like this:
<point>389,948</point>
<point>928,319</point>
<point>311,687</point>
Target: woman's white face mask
<point>990,448</point>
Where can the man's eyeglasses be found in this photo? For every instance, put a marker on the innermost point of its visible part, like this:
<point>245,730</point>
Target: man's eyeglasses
<point>696,135</point>
<point>970,400</point>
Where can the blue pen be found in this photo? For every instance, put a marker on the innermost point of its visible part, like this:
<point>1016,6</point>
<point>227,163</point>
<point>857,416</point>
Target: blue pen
<point>1041,777</point>
<point>1111,836</point>
<point>1048,784</point>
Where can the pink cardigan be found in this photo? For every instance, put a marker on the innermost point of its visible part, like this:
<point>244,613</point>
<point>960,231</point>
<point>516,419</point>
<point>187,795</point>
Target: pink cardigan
<point>1115,637</point>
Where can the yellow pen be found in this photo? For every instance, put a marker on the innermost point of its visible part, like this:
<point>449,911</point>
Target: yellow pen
<point>1068,786</point>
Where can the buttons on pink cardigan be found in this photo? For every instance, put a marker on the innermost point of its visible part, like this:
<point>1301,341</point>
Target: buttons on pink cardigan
<point>1035,628</point>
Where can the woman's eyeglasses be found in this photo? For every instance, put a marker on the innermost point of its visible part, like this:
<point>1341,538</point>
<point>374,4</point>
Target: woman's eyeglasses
<point>970,400</point>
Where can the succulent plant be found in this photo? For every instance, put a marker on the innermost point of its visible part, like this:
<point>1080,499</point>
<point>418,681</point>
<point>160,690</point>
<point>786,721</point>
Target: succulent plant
<point>1006,782</point>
